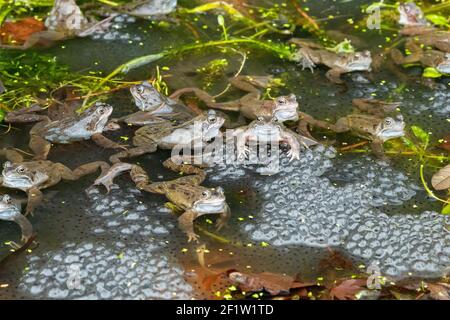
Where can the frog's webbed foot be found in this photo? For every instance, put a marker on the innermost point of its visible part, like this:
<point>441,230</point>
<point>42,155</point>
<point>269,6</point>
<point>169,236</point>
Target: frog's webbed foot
<point>107,178</point>
<point>104,142</point>
<point>378,150</point>
<point>40,147</point>
<point>35,197</point>
<point>222,221</point>
<point>186,224</point>
<point>133,152</point>
<point>334,75</point>
<point>305,60</point>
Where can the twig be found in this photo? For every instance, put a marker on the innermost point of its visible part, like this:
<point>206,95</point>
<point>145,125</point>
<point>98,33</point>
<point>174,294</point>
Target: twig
<point>305,15</point>
<point>427,189</point>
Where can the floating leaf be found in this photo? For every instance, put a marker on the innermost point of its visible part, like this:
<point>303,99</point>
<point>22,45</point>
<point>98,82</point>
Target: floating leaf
<point>439,291</point>
<point>431,73</point>
<point>20,31</point>
<point>273,283</point>
<point>421,134</point>
<point>441,179</point>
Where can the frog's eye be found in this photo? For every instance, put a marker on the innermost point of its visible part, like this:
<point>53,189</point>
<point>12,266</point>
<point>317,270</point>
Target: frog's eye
<point>281,100</point>
<point>7,199</point>
<point>212,119</point>
<point>388,121</point>
<point>20,169</point>
<point>140,89</point>
<point>205,193</point>
<point>101,110</point>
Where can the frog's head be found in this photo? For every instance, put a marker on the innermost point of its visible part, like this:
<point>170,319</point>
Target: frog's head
<point>286,108</point>
<point>150,8</point>
<point>19,176</point>
<point>66,17</point>
<point>211,125</point>
<point>411,15</point>
<point>210,200</point>
<point>148,99</point>
<point>444,66</point>
<point>390,128</point>
<point>8,207</point>
<point>265,129</point>
<point>96,117</point>
<point>359,61</point>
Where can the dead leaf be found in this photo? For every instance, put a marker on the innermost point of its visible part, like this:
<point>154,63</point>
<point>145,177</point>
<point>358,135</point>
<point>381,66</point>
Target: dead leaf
<point>273,283</point>
<point>19,31</point>
<point>441,179</point>
<point>347,289</point>
<point>335,260</point>
<point>446,143</point>
<point>439,291</point>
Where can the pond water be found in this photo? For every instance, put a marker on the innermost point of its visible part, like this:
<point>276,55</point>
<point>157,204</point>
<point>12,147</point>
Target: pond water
<point>126,244</point>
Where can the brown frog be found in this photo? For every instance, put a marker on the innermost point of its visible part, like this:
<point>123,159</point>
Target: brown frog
<point>33,176</point>
<point>263,131</point>
<point>11,211</point>
<point>187,194</point>
<point>64,21</point>
<point>89,125</point>
<point>197,131</point>
<point>155,107</point>
<point>372,124</point>
<point>311,54</point>
<point>427,45</point>
<point>251,106</point>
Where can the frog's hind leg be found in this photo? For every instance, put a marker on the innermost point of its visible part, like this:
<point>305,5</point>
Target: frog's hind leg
<point>104,142</point>
<point>196,174</point>
<point>207,99</point>
<point>35,197</point>
<point>11,155</point>
<point>250,83</point>
<point>91,167</point>
<point>142,181</point>
<point>40,147</point>
<point>133,152</point>
<point>27,115</point>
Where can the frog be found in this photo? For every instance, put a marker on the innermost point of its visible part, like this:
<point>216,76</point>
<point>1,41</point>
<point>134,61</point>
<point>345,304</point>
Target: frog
<point>10,210</point>
<point>265,131</point>
<point>155,107</point>
<point>186,193</point>
<point>251,106</point>
<point>426,58</point>
<point>149,138</point>
<point>148,8</point>
<point>371,123</point>
<point>34,176</point>
<point>413,21</point>
<point>89,125</point>
<point>64,21</point>
<point>420,31</point>
<point>311,54</point>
